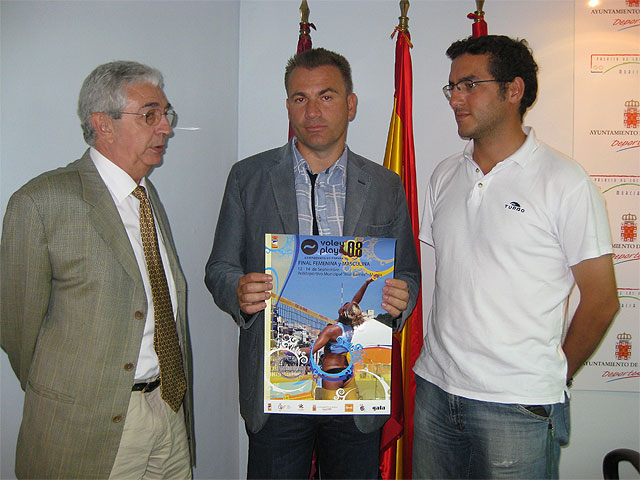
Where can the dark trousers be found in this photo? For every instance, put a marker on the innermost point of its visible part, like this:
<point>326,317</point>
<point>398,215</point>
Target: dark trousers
<point>284,448</point>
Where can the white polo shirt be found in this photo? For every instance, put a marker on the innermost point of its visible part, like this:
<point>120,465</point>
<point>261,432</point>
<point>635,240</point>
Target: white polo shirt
<point>505,243</point>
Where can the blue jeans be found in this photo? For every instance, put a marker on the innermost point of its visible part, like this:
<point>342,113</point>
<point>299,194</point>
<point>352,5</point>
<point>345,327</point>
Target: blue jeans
<point>456,437</point>
<point>283,448</point>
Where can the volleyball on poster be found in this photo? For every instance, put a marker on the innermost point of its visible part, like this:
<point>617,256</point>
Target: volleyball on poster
<point>327,337</point>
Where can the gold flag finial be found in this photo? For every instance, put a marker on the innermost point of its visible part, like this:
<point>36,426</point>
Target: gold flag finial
<point>404,20</point>
<point>304,12</point>
<point>479,27</point>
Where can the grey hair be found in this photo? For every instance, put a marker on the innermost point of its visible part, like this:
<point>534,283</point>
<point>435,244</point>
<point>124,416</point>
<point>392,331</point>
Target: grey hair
<point>103,91</point>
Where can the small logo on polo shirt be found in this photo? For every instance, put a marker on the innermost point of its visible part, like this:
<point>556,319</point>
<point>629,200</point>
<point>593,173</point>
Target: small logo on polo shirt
<point>514,206</point>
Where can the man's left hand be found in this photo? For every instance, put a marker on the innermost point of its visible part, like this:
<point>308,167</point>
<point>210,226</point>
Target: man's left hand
<point>395,296</point>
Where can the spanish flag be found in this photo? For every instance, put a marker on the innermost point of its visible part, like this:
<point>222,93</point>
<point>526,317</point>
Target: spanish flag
<point>396,457</point>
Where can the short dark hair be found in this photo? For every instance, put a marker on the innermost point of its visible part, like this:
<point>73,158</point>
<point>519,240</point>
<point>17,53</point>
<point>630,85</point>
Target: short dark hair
<point>508,59</point>
<point>319,57</point>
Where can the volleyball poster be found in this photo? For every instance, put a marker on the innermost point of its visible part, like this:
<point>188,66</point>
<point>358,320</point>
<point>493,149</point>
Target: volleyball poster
<point>327,337</point>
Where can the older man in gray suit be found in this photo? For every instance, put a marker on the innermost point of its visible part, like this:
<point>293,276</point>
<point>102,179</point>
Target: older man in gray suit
<point>313,184</point>
<point>93,298</point>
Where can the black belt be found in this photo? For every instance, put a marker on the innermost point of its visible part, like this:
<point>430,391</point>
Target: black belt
<point>146,387</point>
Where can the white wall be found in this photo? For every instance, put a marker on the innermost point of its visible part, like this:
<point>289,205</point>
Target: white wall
<point>48,48</point>
<point>223,64</point>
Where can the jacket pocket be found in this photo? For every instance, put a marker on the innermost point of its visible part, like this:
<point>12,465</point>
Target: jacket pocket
<point>49,393</point>
<point>380,231</point>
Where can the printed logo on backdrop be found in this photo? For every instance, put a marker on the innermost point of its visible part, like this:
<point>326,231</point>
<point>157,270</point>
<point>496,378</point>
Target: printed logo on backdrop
<point>621,64</point>
<point>623,346</point>
<point>620,192</point>
<point>628,232</point>
<point>629,228</point>
<point>621,18</point>
<point>617,364</point>
<point>627,136</point>
<point>631,113</point>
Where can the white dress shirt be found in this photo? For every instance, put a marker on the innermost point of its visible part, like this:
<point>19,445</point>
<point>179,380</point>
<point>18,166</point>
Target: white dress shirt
<point>120,186</point>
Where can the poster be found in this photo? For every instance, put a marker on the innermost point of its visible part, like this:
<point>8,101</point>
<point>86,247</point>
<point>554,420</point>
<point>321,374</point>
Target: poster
<point>327,337</point>
<point>607,144</point>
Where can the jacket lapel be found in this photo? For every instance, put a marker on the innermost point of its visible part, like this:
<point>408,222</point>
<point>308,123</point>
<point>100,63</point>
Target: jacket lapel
<point>284,190</point>
<point>358,182</point>
<point>165,231</point>
<point>105,217</point>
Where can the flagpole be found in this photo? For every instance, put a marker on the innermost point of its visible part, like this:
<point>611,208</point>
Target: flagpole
<point>479,27</point>
<point>400,158</point>
<point>304,37</point>
<point>403,24</point>
<point>402,456</point>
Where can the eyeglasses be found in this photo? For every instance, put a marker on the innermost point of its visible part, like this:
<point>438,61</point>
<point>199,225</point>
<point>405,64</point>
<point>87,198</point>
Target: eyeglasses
<point>153,116</point>
<point>464,86</point>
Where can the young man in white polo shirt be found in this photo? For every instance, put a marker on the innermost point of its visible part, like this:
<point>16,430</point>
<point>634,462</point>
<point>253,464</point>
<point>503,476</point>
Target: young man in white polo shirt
<point>514,224</point>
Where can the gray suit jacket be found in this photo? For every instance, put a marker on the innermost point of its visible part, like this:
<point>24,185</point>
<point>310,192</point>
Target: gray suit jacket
<point>72,316</point>
<point>260,198</point>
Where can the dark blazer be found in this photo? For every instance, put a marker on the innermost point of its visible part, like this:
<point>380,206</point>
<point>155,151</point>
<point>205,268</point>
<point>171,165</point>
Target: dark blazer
<point>72,316</point>
<point>260,198</point>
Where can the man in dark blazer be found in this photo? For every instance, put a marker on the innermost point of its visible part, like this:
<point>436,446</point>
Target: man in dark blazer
<point>77,310</point>
<point>272,192</point>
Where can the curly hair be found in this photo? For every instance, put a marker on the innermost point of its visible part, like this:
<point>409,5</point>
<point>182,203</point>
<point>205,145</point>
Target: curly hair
<point>508,59</point>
